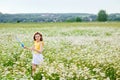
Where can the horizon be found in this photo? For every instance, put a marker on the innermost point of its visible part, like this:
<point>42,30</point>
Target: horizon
<point>57,13</point>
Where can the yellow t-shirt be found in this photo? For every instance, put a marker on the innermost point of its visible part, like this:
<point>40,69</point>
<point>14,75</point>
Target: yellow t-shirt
<point>37,45</point>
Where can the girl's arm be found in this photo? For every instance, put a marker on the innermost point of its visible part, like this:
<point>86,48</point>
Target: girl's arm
<point>39,51</point>
<point>27,48</point>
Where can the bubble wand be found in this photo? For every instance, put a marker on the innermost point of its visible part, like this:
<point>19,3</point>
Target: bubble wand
<point>22,45</point>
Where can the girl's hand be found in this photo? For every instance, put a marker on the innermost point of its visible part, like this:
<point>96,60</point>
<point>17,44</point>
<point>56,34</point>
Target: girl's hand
<point>33,49</point>
<point>25,47</point>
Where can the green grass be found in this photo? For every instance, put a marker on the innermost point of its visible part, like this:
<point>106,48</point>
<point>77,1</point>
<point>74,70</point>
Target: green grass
<point>72,51</point>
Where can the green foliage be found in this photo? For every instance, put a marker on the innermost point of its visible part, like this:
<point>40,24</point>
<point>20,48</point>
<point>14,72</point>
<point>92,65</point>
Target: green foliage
<point>78,19</point>
<point>37,76</point>
<point>111,73</point>
<point>102,16</point>
<point>71,20</point>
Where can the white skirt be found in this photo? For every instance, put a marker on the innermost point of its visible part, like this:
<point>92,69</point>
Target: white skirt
<point>37,58</point>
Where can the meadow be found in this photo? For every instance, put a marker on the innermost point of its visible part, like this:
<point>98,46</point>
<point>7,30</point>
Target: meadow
<point>72,51</point>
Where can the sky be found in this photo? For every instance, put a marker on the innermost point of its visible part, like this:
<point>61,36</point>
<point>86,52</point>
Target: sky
<point>59,6</point>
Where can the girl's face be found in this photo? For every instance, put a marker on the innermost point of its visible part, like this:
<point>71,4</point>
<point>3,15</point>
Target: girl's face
<point>37,37</point>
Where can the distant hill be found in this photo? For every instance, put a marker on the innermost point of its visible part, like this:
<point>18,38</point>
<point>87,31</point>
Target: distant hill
<point>52,17</point>
<point>114,17</point>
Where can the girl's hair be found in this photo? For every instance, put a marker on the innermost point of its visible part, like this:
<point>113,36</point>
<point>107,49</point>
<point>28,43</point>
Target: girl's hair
<point>41,39</point>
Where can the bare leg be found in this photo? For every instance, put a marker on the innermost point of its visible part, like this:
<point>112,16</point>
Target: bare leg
<point>33,68</point>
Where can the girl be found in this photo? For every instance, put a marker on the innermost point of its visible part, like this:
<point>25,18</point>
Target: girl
<point>36,51</point>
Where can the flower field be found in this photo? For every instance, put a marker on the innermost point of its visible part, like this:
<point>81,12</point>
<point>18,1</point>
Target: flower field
<point>72,51</point>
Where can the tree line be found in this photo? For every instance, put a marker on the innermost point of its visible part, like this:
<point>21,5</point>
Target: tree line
<point>59,17</point>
